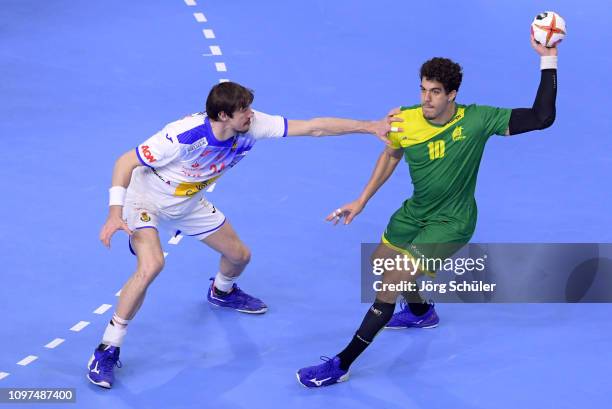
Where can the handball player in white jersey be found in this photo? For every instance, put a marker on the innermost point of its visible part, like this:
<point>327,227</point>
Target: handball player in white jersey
<point>161,182</point>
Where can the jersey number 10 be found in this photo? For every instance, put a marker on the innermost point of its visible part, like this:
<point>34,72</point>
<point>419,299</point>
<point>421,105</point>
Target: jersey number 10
<point>436,149</point>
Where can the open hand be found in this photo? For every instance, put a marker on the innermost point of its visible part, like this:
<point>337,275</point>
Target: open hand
<point>348,211</point>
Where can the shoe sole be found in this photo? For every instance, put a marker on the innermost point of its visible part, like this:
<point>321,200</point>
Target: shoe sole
<point>426,327</point>
<point>104,385</point>
<point>262,311</point>
<point>343,378</point>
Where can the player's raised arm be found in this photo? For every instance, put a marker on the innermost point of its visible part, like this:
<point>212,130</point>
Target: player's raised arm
<point>339,126</point>
<point>542,114</point>
<point>386,164</point>
<point>122,173</point>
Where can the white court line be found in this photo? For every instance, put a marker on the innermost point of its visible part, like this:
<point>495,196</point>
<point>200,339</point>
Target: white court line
<point>215,50</point>
<point>190,2</point>
<point>208,33</point>
<point>165,254</point>
<point>54,343</point>
<point>220,66</point>
<point>4,375</point>
<point>211,187</point>
<point>27,360</point>
<point>79,326</point>
<point>200,17</point>
<point>118,293</point>
<point>223,80</point>
<point>176,239</point>
<point>102,309</point>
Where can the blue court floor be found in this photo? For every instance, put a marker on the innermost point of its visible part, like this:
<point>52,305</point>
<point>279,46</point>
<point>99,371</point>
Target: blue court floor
<point>81,82</point>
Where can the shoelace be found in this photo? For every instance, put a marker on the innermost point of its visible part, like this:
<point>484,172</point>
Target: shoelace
<point>328,361</point>
<point>241,295</point>
<point>238,293</point>
<point>108,363</point>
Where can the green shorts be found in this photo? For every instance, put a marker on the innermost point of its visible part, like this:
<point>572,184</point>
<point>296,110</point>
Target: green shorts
<point>439,237</point>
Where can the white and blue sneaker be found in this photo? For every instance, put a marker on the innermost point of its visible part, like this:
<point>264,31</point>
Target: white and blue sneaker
<point>101,365</point>
<point>236,299</point>
<point>325,374</point>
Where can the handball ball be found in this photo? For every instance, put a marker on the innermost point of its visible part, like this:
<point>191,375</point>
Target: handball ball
<point>548,28</point>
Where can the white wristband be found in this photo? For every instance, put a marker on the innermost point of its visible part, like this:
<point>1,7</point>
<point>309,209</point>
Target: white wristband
<point>116,196</point>
<point>548,62</point>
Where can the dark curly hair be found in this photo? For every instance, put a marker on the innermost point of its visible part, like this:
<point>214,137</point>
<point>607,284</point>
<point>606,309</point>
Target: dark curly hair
<point>443,70</point>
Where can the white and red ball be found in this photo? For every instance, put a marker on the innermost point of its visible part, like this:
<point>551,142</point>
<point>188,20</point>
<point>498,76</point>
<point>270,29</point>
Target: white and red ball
<point>548,28</point>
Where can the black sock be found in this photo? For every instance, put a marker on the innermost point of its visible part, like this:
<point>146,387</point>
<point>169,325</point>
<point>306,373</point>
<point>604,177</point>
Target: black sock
<point>418,309</point>
<point>415,302</point>
<point>376,318</point>
<point>218,292</point>
<point>412,297</point>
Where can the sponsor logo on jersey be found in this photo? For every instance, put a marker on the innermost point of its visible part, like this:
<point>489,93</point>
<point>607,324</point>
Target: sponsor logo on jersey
<point>169,138</point>
<point>144,216</point>
<point>198,144</point>
<point>457,134</point>
<point>190,189</point>
<point>147,154</point>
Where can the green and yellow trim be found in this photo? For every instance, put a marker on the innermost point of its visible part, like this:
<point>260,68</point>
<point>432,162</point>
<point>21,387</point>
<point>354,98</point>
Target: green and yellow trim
<point>417,129</point>
<point>402,250</point>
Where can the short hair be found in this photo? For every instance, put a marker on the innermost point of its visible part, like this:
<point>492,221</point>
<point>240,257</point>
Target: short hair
<point>227,97</point>
<point>443,70</point>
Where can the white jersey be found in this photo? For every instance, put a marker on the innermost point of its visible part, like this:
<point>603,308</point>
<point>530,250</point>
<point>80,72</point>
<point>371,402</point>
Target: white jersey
<point>185,157</point>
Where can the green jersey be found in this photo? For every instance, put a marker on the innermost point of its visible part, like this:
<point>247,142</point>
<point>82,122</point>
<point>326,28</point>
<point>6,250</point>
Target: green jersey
<point>444,159</point>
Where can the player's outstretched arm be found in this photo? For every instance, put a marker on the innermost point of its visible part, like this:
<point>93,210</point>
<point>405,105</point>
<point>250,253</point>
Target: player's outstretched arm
<point>339,126</point>
<point>542,114</point>
<point>386,164</point>
<point>122,174</point>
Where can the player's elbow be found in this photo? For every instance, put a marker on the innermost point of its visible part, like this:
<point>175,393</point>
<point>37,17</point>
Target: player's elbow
<point>316,132</point>
<point>544,122</point>
<point>548,121</point>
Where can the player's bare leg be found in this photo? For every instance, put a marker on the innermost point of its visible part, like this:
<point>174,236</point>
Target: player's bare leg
<point>235,256</point>
<point>415,312</point>
<point>336,369</point>
<point>147,247</point>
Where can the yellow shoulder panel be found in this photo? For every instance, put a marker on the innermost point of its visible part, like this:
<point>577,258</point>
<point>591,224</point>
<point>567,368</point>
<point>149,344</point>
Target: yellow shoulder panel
<point>416,129</point>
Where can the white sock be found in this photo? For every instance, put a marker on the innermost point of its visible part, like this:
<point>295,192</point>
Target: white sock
<point>115,331</point>
<point>223,283</point>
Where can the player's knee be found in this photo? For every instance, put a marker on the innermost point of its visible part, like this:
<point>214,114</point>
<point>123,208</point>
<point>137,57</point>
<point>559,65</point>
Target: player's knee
<point>244,255</point>
<point>382,252</point>
<point>241,255</point>
<point>149,268</point>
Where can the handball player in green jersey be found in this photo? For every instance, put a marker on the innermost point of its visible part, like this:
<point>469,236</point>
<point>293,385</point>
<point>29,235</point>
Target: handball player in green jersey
<point>442,141</point>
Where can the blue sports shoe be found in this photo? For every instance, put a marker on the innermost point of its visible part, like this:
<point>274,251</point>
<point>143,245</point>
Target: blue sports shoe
<point>236,299</point>
<point>406,319</point>
<point>325,374</point>
<point>101,365</point>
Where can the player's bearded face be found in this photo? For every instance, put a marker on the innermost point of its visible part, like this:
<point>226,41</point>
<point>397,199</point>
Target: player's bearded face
<point>241,119</point>
<point>434,100</point>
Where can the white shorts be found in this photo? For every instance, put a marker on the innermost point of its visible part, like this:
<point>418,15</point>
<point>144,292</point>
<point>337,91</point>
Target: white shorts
<point>146,207</point>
